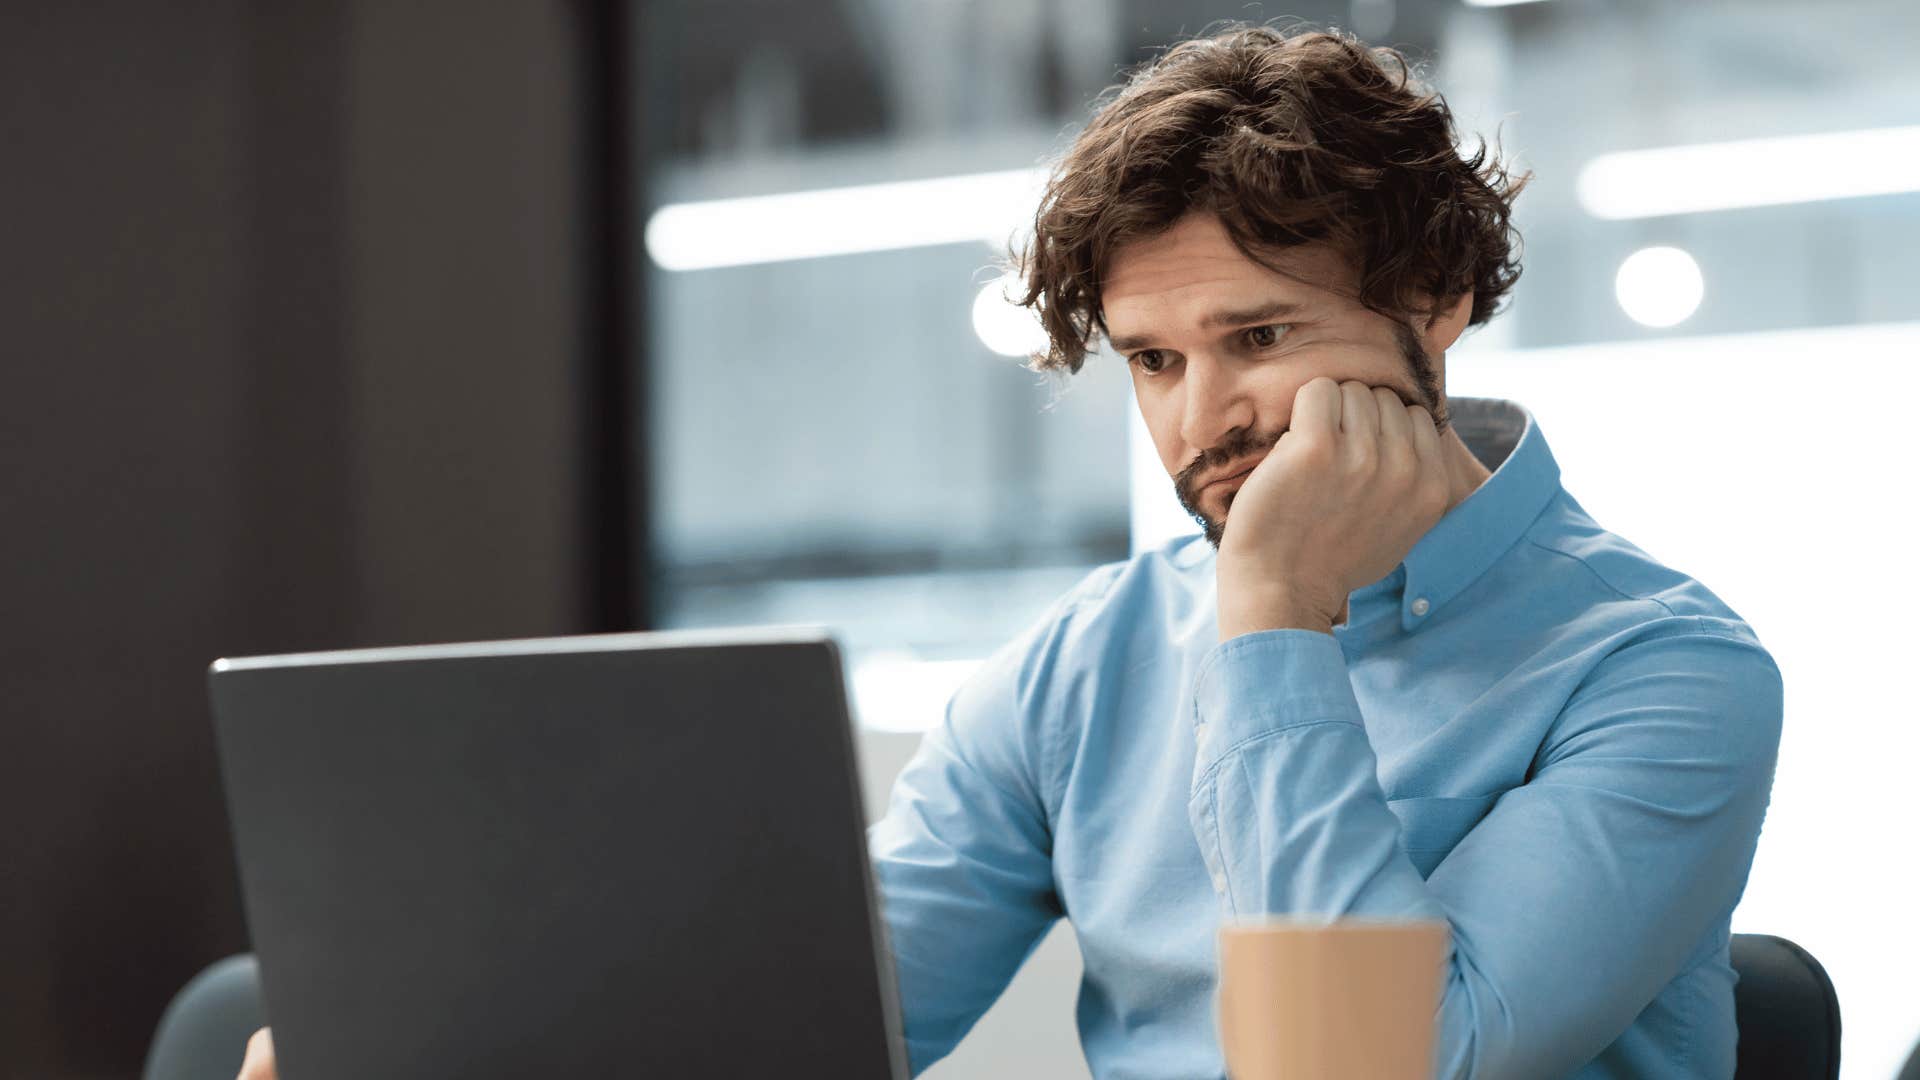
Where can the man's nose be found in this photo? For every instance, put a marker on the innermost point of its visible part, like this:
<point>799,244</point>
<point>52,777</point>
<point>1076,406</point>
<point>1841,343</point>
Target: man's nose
<point>1216,403</point>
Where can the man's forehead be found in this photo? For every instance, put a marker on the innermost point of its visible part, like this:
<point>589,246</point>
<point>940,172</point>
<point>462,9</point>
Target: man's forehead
<point>1194,267</point>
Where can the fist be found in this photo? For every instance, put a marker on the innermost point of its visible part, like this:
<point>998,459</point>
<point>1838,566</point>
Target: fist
<point>1356,480</point>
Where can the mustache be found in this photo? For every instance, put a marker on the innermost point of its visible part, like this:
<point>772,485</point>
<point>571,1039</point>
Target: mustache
<point>1241,443</point>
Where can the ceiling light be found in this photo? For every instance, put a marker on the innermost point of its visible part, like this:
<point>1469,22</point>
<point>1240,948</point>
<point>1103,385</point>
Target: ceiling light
<point>989,207</point>
<point>1751,172</point>
<point>1003,325</point>
<point>1659,286</point>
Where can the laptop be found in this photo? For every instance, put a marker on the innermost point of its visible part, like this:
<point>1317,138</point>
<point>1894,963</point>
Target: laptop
<point>615,855</point>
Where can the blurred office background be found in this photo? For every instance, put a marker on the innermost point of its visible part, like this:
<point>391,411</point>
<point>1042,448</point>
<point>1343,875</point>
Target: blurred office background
<point>357,323</point>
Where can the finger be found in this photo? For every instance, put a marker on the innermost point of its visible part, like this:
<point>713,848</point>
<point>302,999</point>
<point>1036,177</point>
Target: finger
<point>1359,416</point>
<point>259,1054</point>
<point>1396,431</point>
<point>1316,409</point>
<point>1426,438</point>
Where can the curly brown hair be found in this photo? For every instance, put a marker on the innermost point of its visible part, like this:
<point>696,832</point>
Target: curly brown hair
<point>1289,136</point>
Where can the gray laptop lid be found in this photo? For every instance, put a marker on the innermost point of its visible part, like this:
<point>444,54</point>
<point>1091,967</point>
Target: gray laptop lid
<point>619,855</point>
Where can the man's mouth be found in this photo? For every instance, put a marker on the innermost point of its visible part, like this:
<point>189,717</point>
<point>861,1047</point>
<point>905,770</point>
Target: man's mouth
<point>1233,482</point>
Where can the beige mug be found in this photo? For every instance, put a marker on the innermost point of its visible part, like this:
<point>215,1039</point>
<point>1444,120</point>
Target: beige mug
<point>1349,999</point>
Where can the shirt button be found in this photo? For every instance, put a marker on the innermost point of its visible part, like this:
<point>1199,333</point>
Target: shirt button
<point>1420,606</point>
<point>1219,883</point>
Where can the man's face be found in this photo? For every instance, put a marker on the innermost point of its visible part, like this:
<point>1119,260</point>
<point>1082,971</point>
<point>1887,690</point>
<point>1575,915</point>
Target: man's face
<point>1218,345</point>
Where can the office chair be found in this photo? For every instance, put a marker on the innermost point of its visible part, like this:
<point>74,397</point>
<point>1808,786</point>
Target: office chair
<point>203,1034</point>
<point>1788,1014</point>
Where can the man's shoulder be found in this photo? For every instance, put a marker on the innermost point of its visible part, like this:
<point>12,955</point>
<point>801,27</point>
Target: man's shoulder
<point>1614,585</point>
<point>1116,612</point>
<point>1622,645</point>
<point>1164,581</point>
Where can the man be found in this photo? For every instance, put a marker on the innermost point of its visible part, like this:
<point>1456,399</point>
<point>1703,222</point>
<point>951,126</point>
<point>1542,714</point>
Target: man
<point>1402,673</point>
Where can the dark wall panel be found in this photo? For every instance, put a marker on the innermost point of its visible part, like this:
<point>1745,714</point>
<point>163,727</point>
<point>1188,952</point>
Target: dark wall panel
<point>465,288</point>
<point>290,357</point>
<point>122,264</point>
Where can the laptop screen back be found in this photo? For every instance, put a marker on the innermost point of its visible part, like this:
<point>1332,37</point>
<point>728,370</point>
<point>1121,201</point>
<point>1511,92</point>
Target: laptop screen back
<point>621,855</point>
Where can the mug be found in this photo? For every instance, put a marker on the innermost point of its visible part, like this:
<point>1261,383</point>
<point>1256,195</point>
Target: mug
<point>1350,999</point>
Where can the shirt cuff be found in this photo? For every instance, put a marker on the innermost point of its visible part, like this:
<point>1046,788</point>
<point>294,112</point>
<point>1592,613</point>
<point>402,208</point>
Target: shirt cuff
<point>1259,683</point>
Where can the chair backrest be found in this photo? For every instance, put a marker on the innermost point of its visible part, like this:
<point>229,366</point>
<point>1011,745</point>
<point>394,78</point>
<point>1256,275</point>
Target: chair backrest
<point>1788,1014</point>
<point>203,1034</point>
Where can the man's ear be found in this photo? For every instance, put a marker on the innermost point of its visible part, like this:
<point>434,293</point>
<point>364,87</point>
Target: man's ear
<point>1446,324</point>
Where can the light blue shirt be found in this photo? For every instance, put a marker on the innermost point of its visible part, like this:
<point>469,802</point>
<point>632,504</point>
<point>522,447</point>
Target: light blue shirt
<point>1529,729</point>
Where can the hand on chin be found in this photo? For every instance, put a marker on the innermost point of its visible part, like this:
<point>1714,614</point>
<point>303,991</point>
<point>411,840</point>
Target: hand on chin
<point>1357,479</point>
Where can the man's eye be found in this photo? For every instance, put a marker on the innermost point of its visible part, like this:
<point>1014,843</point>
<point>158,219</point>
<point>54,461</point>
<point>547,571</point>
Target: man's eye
<point>1265,337</point>
<point>1151,361</point>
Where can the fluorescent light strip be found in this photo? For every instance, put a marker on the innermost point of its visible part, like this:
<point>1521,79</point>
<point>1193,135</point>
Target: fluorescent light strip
<point>982,207</point>
<point>1499,3</point>
<point>1751,172</point>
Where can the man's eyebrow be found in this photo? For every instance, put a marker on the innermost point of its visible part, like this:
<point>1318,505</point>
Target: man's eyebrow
<point>1253,316</point>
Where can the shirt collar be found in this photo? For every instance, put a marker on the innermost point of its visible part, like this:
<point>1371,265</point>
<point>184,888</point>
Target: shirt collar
<point>1490,520</point>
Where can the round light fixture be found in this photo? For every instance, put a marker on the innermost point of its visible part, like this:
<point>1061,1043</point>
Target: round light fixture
<point>1004,326</point>
<point>1659,286</point>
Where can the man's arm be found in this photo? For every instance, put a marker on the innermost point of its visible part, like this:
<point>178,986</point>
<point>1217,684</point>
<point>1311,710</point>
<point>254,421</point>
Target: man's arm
<point>1574,901</point>
<point>963,858</point>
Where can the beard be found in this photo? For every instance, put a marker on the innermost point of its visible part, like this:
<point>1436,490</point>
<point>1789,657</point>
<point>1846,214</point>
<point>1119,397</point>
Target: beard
<point>1243,443</point>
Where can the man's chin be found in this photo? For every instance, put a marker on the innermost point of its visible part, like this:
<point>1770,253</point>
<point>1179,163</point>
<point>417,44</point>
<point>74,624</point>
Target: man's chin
<point>1209,528</point>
